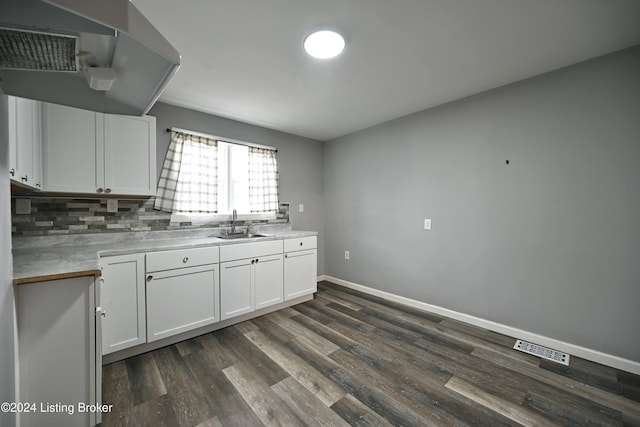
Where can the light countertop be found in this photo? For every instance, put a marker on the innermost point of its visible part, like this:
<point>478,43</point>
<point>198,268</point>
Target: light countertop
<point>49,258</point>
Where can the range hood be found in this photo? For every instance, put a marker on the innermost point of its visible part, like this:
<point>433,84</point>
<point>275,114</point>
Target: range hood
<point>100,55</point>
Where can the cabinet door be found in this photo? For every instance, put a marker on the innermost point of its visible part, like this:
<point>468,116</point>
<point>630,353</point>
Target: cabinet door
<point>36,145</point>
<point>25,141</point>
<point>181,300</point>
<point>300,273</point>
<point>267,281</point>
<point>122,297</point>
<point>14,172</point>
<point>56,349</point>
<point>72,149</point>
<point>130,155</point>
<point>236,293</point>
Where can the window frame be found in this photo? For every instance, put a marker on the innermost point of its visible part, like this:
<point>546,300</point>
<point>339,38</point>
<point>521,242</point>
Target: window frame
<point>184,216</point>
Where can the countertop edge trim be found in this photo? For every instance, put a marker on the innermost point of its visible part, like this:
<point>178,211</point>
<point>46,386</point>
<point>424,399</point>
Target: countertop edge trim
<point>59,276</point>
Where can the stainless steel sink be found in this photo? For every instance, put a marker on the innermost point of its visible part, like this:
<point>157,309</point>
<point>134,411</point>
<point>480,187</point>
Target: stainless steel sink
<point>243,236</point>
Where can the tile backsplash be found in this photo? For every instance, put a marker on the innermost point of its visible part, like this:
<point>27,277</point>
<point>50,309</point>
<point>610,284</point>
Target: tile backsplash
<point>42,216</point>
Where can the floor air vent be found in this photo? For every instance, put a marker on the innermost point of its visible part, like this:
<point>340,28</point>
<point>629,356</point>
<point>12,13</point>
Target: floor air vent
<point>544,352</point>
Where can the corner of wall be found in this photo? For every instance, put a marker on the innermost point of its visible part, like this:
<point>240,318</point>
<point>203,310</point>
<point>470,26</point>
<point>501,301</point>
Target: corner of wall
<point>8,335</point>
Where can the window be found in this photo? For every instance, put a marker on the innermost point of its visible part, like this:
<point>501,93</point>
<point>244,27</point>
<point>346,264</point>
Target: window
<point>206,175</point>
<point>233,178</point>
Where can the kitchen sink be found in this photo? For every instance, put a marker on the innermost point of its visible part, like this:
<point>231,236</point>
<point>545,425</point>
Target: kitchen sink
<point>243,236</point>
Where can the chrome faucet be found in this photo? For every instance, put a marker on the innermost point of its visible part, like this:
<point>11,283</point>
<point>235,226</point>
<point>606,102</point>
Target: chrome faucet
<point>234,217</point>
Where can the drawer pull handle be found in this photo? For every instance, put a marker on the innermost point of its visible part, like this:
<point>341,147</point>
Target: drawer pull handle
<point>185,260</point>
<point>149,278</point>
<point>12,172</point>
<point>100,190</point>
<point>107,190</point>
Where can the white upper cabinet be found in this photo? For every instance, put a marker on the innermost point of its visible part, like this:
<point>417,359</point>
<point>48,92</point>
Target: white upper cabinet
<point>130,154</point>
<point>95,153</point>
<point>71,147</point>
<point>24,142</point>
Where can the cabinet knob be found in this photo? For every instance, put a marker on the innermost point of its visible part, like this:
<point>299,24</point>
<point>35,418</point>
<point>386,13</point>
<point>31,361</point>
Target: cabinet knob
<point>12,172</point>
<point>257,259</point>
<point>100,190</point>
<point>149,278</point>
<point>286,255</point>
<point>38,184</point>
<point>25,178</point>
<point>103,314</point>
<point>107,190</point>
<point>253,261</point>
<point>185,260</point>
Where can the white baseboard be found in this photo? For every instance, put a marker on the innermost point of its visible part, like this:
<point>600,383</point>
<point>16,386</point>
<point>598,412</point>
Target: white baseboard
<point>572,349</point>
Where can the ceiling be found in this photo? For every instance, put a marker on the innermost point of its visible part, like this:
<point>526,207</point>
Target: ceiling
<point>243,59</point>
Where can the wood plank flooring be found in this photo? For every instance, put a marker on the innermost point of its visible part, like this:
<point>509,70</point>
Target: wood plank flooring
<point>347,358</point>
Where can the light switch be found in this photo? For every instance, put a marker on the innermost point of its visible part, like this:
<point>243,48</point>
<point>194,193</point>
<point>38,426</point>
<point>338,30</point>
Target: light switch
<point>427,224</point>
<point>300,207</point>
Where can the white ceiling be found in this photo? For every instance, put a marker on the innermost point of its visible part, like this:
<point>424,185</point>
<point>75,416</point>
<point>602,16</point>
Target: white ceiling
<point>243,59</point>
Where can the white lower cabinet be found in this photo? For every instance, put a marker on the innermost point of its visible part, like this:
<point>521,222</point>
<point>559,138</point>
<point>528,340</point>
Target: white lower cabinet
<point>152,296</point>
<point>58,361</point>
<point>267,278</point>
<point>122,298</point>
<point>252,282</point>
<point>185,298</point>
<point>300,267</point>
<point>236,296</point>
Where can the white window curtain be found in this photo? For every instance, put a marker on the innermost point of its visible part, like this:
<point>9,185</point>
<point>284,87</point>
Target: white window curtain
<point>189,178</point>
<point>263,180</point>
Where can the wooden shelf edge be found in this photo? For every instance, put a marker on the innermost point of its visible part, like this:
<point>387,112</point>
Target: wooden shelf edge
<point>49,277</point>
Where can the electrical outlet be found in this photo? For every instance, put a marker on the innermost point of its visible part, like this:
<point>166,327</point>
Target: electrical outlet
<point>346,254</point>
<point>112,205</point>
<point>427,224</point>
<point>300,207</point>
<point>23,206</point>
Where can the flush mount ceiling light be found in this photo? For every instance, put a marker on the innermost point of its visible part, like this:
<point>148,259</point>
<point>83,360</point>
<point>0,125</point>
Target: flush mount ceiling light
<point>324,44</point>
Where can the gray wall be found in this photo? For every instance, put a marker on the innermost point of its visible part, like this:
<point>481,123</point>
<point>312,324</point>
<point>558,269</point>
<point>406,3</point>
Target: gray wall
<point>549,243</point>
<point>299,161</point>
<point>7,327</point>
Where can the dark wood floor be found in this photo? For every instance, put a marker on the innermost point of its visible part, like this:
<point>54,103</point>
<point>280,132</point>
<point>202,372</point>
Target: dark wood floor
<point>347,358</point>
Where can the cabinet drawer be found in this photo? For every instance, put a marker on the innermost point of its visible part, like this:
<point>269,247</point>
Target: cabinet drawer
<point>250,250</point>
<point>169,260</point>
<point>300,243</point>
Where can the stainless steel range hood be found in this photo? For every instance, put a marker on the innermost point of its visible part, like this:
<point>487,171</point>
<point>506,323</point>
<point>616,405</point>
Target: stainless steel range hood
<point>100,55</point>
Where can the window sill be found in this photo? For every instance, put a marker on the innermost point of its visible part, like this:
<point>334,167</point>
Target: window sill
<point>184,216</point>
